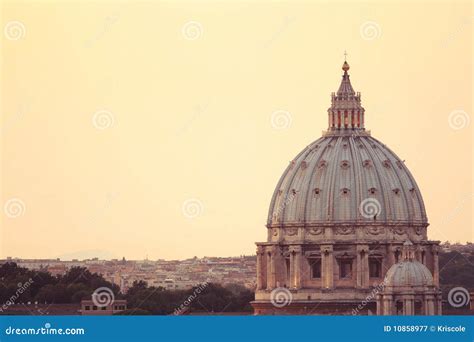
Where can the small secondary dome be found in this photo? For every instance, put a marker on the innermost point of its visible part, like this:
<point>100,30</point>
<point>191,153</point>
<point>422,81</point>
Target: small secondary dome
<point>409,273</point>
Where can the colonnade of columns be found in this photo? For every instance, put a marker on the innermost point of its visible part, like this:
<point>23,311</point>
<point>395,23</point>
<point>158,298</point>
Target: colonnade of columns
<point>271,267</point>
<point>405,304</point>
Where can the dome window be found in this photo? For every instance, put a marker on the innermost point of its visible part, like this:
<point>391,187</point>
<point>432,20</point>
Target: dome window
<point>400,164</point>
<point>412,191</point>
<point>367,163</point>
<point>304,165</point>
<point>386,163</point>
<point>345,191</point>
<point>322,164</point>
<point>345,164</point>
<point>372,191</point>
<point>344,146</point>
<point>396,191</point>
<point>317,191</point>
<point>293,191</point>
<point>361,146</point>
<point>292,164</point>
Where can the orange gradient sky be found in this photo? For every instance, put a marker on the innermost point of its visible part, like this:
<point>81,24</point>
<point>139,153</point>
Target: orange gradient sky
<point>144,128</point>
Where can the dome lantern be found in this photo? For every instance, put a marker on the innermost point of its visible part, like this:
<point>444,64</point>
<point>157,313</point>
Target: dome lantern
<point>346,112</point>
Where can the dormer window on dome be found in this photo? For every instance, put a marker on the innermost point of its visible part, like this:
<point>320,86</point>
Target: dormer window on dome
<point>372,191</point>
<point>322,164</point>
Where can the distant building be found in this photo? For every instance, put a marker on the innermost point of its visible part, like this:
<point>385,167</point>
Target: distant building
<point>89,308</point>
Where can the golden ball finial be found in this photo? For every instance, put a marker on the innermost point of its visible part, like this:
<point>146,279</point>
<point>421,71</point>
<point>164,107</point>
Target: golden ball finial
<point>345,66</point>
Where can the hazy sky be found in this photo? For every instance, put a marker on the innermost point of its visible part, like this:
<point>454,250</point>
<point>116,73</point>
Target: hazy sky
<point>145,128</point>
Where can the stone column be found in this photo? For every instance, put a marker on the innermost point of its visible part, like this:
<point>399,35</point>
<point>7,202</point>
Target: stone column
<point>387,305</point>
<point>260,274</point>
<point>327,263</point>
<point>270,268</point>
<point>429,310</point>
<point>391,256</point>
<point>435,266</point>
<point>409,306</point>
<point>362,267</point>
<point>292,268</point>
<point>298,265</point>
<point>379,301</point>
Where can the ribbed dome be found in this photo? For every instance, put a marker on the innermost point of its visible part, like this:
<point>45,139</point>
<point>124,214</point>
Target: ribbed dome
<point>346,176</point>
<point>409,273</point>
<point>329,180</point>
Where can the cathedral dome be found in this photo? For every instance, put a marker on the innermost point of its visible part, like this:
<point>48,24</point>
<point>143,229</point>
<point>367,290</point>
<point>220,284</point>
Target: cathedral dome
<point>346,176</point>
<point>409,272</point>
